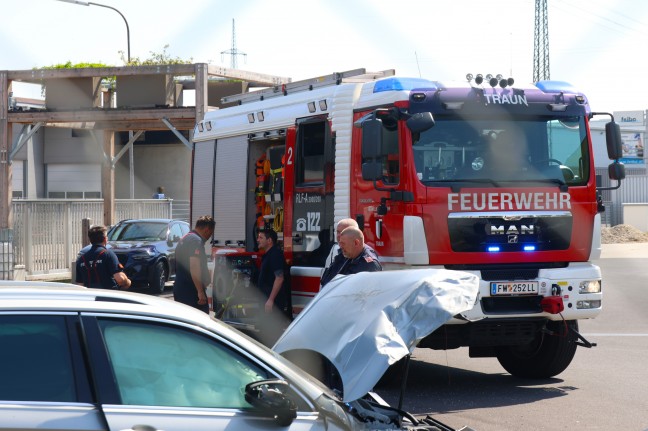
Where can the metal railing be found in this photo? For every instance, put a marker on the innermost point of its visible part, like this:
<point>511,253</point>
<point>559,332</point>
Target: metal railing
<point>47,235</point>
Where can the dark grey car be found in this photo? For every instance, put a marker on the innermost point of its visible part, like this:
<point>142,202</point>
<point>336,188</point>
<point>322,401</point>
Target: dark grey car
<point>146,249</point>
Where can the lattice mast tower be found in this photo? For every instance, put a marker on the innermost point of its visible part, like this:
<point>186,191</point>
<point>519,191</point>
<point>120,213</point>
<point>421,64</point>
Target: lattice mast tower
<point>541,42</point>
<point>233,52</point>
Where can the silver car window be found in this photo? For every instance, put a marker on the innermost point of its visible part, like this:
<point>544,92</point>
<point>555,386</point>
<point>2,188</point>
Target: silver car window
<point>168,366</point>
<point>176,231</point>
<point>35,364</point>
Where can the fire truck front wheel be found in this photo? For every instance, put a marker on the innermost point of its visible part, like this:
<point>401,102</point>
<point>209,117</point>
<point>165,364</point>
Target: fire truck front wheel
<point>547,356</point>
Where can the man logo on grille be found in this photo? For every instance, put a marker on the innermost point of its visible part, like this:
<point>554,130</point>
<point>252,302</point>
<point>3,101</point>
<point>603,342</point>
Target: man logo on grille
<point>512,239</point>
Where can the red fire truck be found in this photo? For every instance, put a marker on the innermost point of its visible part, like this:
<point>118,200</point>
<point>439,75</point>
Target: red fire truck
<point>483,175</point>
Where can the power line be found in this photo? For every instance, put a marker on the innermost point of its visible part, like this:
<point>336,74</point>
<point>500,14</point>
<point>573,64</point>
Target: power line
<point>606,21</point>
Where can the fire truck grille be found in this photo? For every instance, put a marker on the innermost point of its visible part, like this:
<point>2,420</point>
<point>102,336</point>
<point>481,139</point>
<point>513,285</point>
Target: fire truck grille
<point>509,271</point>
<point>482,234</point>
<point>501,333</point>
<point>511,304</point>
<point>510,274</point>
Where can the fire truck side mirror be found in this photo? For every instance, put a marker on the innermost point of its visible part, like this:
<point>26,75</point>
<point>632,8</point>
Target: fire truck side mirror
<point>372,170</point>
<point>372,138</point>
<point>613,140</point>
<point>420,122</point>
<point>616,171</point>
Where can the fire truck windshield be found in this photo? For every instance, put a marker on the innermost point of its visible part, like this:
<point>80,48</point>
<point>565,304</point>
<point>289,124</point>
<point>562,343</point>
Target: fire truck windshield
<point>538,149</point>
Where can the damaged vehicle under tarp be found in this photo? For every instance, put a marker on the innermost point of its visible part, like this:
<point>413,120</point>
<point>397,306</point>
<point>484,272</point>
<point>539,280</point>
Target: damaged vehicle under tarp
<point>364,323</point>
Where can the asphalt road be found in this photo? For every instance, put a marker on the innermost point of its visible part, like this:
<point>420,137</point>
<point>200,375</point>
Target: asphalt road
<point>605,388</point>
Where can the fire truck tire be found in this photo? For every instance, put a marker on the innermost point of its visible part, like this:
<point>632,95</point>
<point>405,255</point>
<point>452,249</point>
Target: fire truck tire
<point>158,278</point>
<point>547,356</point>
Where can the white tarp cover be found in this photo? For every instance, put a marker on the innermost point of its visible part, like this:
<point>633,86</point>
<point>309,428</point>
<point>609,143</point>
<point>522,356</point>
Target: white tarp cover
<point>365,322</point>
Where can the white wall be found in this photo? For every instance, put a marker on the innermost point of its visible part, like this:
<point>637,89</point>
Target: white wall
<point>17,175</point>
<point>167,165</point>
<point>69,177</point>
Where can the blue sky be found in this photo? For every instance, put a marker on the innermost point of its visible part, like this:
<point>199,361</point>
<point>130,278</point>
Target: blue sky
<point>596,45</point>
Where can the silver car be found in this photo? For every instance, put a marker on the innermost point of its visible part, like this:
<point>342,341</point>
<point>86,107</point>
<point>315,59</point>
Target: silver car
<point>86,359</point>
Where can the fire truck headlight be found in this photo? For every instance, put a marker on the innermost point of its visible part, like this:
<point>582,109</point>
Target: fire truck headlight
<point>588,304</point>
<point>590,286</point>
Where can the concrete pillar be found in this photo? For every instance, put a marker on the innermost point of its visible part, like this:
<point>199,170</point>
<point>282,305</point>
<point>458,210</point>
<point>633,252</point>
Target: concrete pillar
<point>201,91</point>
<point>6,135</point>
<point>108,178</point>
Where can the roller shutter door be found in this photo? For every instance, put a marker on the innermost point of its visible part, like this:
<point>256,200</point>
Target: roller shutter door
<point>202,181</point>
<point>230,189</point>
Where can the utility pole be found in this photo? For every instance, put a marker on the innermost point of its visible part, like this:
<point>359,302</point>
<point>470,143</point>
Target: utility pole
<point>233,52</point>
<point>541,42</point>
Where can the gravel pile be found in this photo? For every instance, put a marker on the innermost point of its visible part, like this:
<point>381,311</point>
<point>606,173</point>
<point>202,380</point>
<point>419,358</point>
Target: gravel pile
<point>622,233</point>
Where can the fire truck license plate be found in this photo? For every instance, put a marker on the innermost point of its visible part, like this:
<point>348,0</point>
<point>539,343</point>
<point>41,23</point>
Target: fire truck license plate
<point>514,288</point>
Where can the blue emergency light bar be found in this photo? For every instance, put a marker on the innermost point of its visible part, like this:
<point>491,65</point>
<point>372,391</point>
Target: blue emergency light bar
<point>556,87</point>
<point>403,84</point>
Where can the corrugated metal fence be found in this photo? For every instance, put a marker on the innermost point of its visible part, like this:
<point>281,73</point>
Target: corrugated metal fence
<point>634,189</point>
<point>46,234</point>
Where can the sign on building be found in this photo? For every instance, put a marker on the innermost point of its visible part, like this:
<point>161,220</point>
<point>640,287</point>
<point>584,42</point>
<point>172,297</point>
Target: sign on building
<point>629,118</point>
<point>632,123</point>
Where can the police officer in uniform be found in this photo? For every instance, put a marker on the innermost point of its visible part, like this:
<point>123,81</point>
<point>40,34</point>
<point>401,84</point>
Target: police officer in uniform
<point>356,256</point>
<point>97,266</point>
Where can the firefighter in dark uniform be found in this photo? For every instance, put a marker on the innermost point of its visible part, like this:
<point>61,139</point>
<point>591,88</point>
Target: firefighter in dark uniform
<point>273,304</point>
<point>356,256</point>
<point>97,266</point>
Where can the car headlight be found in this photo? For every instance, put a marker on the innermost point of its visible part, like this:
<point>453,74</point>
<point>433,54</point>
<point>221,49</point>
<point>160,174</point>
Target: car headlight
<point>145,253</point>
<point>590,286</point>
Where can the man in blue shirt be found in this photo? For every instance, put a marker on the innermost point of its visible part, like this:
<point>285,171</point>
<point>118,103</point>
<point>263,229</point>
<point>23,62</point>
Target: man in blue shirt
<point>273,316</point>
<point>354,256</point>
<point>271,274</point>
<point>97,266</point>
<point>192,274</point>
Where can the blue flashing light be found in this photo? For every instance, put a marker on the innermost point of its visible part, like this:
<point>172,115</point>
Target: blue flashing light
<point>403,84</point>
<point>556,87</point>
<point>493,248</point>
<point>529,248</point>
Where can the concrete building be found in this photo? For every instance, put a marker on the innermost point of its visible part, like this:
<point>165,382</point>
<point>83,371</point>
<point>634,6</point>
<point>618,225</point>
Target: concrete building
<point>108,133</point>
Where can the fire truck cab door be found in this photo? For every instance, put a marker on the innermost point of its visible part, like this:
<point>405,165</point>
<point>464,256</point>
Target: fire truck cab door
<point>312,215</point>
<point>371,200</point>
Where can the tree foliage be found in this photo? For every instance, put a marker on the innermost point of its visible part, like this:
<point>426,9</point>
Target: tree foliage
<point>69,65</point>
<point>154,59</point>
